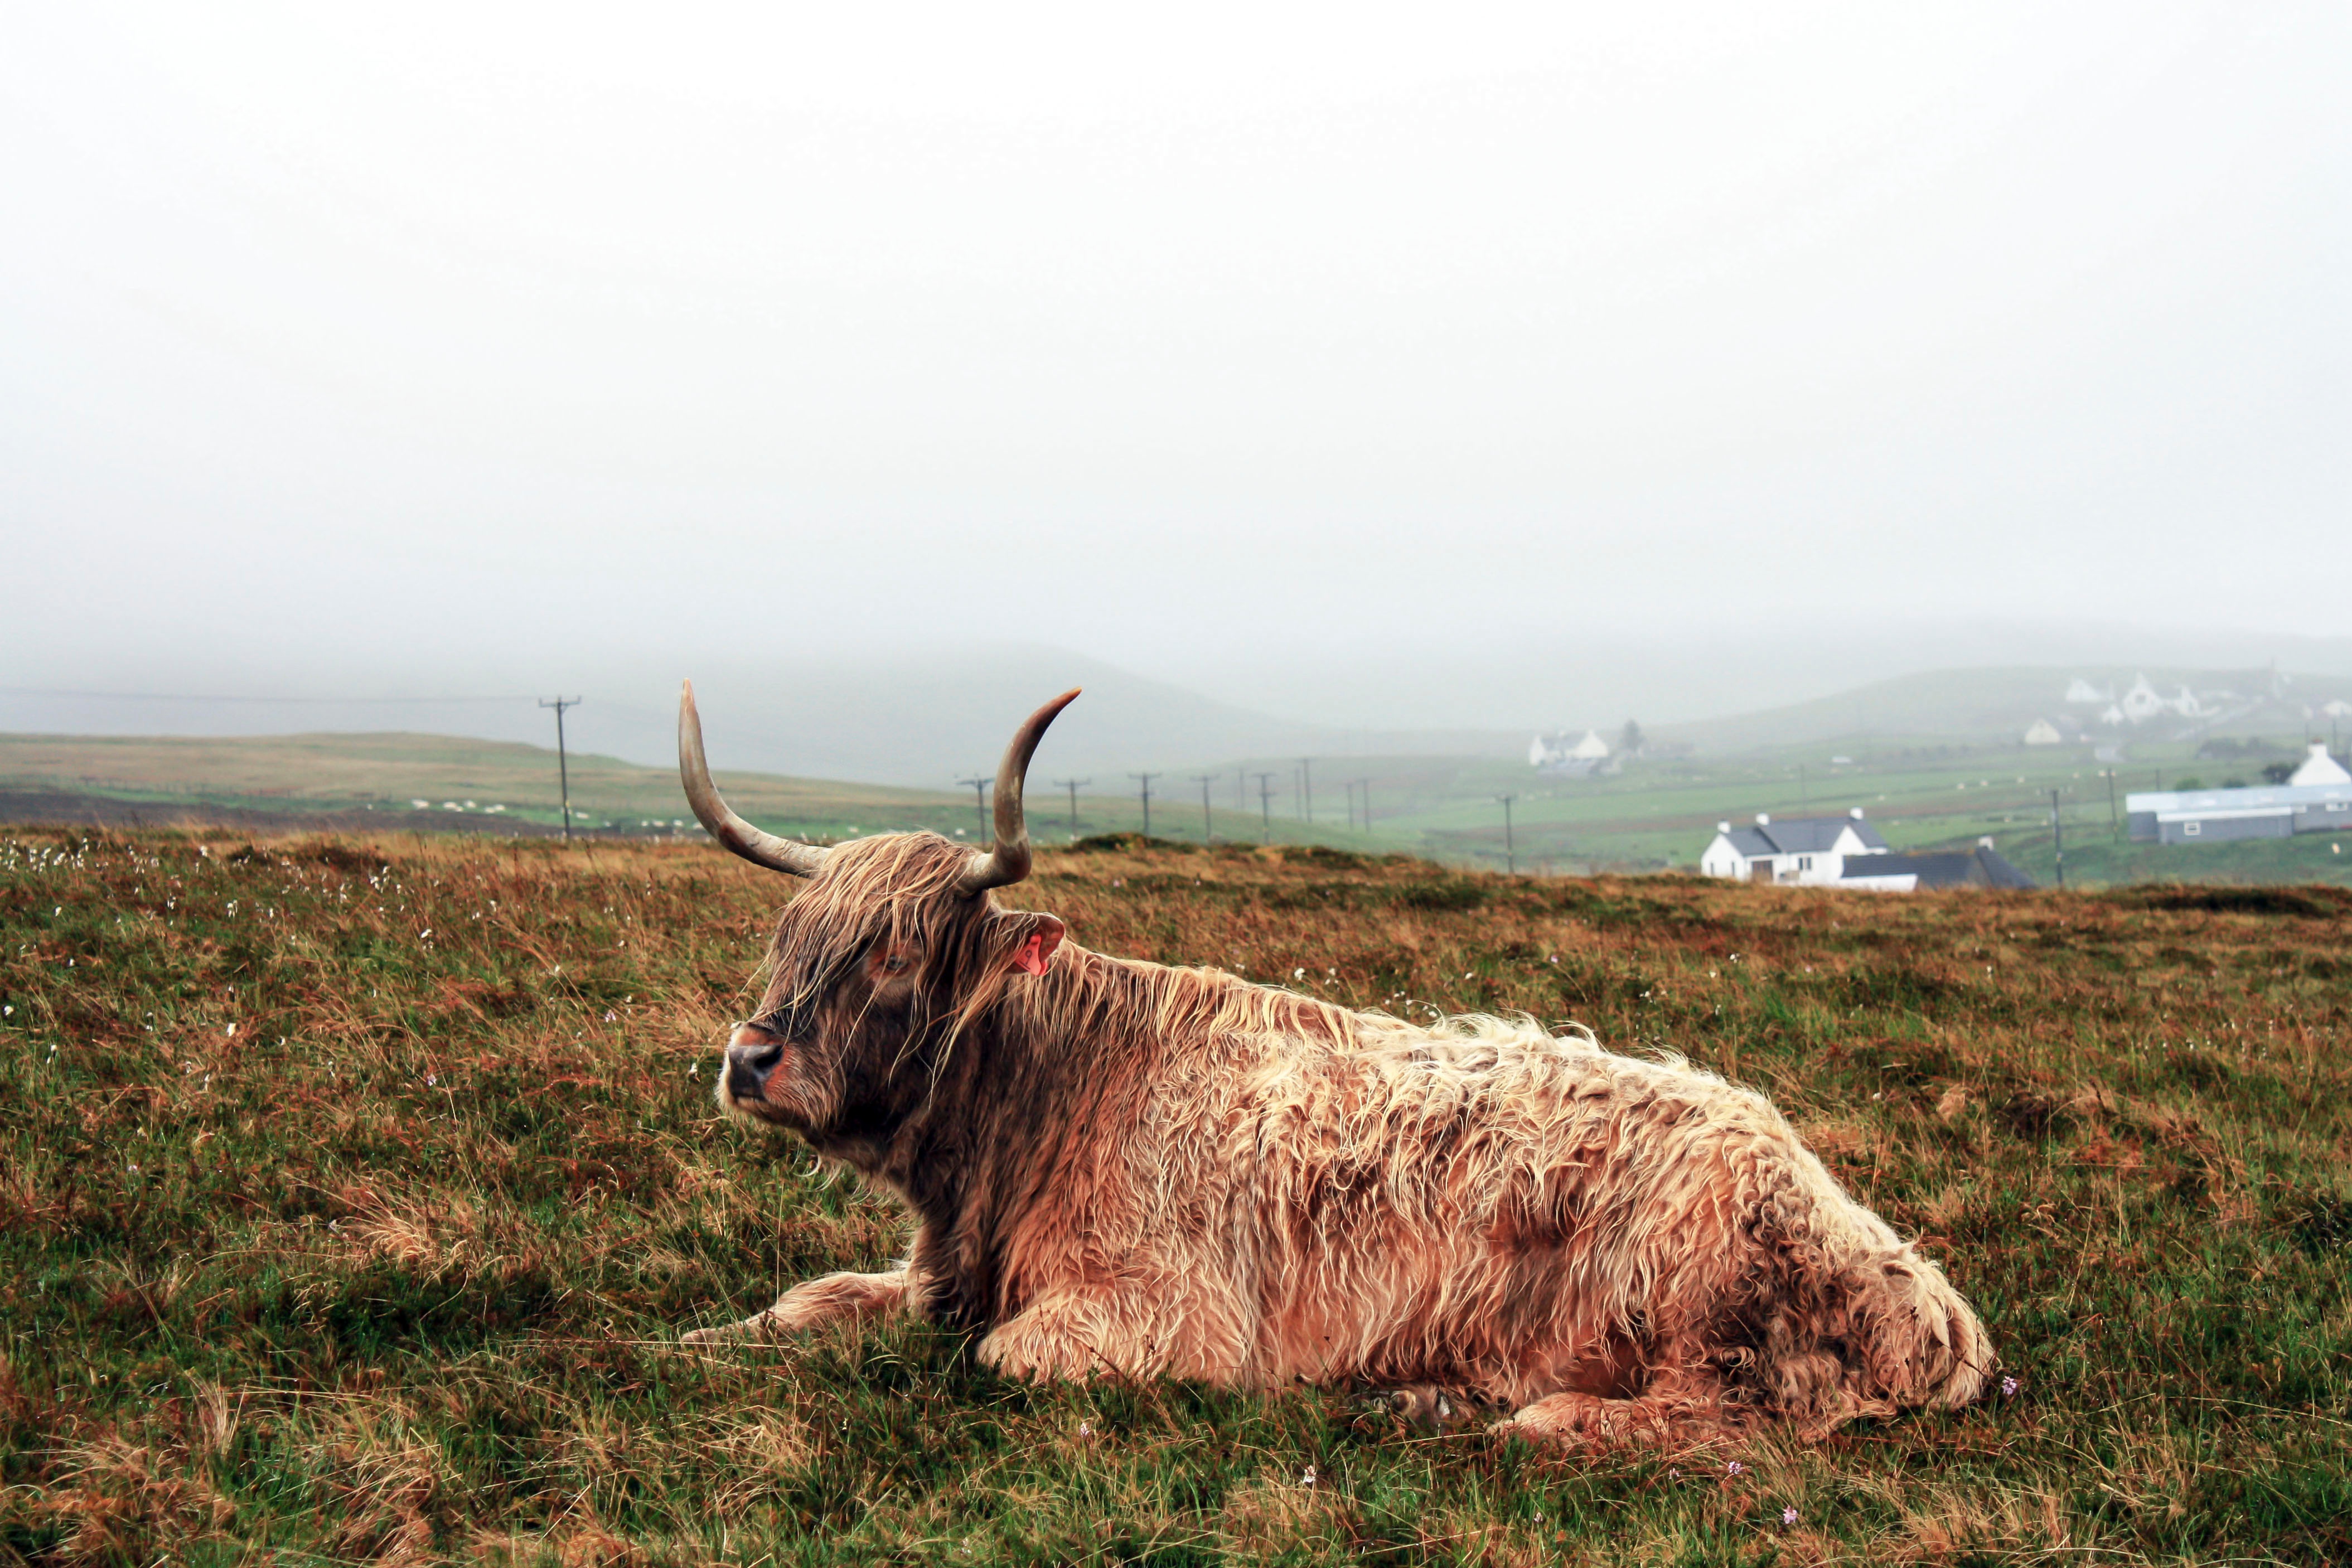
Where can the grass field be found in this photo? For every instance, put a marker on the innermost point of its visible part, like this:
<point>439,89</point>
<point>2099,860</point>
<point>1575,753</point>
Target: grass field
<point>352,1194</point>
<point>1658,814</point>
<point>441,781</point>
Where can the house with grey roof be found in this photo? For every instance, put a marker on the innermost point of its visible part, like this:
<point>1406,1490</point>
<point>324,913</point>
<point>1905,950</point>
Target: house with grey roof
<point>2213,815</point>
<point>1810,851</point>
<point>1982,867</point>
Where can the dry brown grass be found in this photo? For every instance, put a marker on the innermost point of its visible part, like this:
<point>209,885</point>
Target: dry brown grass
<point>329,1239</point>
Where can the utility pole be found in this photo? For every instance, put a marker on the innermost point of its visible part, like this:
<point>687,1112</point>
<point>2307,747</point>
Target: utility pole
<point>1510,848</point>
<point>563,763</point>
<point>1072,785</point>
<point>1146,779</point>
<point>2058,837</point>
<point>1307,787</point>
<point>1352,803</point>
<point>1365,784</point>
<point>2114,823</point>
<point>979,788</point>
<point>1266,804</point>
<point>1208,834</point>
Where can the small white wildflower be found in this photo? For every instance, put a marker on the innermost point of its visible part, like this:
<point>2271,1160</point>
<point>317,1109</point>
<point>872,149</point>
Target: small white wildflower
<point>232,1029</point>
<point>1307,1478</point>
<point>609,1015</point>
<point>431,1078</point>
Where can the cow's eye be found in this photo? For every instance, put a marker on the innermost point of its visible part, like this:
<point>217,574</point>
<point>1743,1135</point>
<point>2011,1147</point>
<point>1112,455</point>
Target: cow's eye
<point>897,964</point>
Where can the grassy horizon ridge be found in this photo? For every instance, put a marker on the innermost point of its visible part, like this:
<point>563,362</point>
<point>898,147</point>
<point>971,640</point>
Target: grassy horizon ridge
<point>353,1193</point>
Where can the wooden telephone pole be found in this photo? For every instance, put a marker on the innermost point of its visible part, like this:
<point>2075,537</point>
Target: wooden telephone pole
<point>1146,779</point>
<point>1072,785</point>
<point>979,788</point>
<point>1208,833</point>
<point>562,762</point>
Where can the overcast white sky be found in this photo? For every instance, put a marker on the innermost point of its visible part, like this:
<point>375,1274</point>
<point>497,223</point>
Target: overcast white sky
<point>473,346</point>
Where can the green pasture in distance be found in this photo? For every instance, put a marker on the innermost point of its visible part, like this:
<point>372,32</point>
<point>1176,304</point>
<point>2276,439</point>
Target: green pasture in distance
<point>1656,814</point>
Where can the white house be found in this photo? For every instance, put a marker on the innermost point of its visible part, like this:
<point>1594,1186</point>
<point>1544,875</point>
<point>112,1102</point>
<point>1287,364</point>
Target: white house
<point>2081,691</point>
<point>2042,732</point>
<point>2142,703</point>
<point>1810,851</point>
<point>1557,754</point>
<point>2319,768</point>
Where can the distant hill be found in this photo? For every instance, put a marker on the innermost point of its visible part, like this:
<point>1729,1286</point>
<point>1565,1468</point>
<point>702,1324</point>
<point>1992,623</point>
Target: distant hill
<point>1979,705</point>
<point>433,781</point>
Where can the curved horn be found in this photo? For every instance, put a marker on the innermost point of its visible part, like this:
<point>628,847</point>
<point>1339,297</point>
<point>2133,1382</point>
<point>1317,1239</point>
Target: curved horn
<point>1008,862</point>
<point>758,848</point>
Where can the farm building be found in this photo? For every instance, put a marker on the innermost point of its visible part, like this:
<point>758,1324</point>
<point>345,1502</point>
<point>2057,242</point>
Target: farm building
<point>2317,799</point>
<point>1810,851</point>
<point>2042,732</point>
<point>1557,754</point>
<point>1558,747</point>
<point>1981,866</point>
<point>2319,768</point>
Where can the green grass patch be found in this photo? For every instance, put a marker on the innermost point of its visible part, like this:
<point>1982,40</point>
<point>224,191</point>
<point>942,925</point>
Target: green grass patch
<point>352,1195</point>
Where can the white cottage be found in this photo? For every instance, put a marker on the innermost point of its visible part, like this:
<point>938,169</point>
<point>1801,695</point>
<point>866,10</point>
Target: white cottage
<point>2319,768</point>
<point>1557,753</point>
<point>1810,851</point>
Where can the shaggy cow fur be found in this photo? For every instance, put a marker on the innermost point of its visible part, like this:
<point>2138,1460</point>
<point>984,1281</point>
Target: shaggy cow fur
<point>1119,1167</point>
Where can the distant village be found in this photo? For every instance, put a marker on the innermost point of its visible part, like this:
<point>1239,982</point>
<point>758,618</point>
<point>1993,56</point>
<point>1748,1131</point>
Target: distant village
<point>2309,793</point>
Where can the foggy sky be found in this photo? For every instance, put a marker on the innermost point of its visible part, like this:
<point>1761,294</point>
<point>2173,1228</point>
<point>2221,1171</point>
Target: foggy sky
<point>1261,350</point>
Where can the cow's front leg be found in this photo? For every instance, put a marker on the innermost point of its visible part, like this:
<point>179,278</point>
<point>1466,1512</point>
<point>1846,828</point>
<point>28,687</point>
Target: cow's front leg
<point>813,1302</point>
<point>1675,1411</point>
<point>1077,1335</point>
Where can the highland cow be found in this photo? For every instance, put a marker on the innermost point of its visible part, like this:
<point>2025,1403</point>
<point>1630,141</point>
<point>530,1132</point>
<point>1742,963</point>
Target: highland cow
<point>1125,1168</point>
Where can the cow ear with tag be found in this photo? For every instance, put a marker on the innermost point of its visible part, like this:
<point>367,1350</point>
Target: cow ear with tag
<point>1037,949</point>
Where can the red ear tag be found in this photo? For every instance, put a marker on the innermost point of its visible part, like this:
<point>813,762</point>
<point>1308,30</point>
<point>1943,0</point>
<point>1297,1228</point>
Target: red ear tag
<point>1031,956</point>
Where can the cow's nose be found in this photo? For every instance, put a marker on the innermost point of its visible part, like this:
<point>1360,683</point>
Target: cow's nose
<point>753,1053</point>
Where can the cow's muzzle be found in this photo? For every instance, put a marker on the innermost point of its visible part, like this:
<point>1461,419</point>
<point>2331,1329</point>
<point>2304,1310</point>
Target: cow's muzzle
<point>753,1053</point>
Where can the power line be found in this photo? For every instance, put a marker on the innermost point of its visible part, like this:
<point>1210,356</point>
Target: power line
<point>1146,779</point>
<point>1072,785</point>
<point>2058,837</point>
<point>563,763</point>
<point>1208,834</point>
<point>979,804</point>
<point>1266,803</point>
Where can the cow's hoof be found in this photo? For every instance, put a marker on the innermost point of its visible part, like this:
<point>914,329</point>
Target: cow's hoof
<point>1425,1406</point>
<point>759,1329</point>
